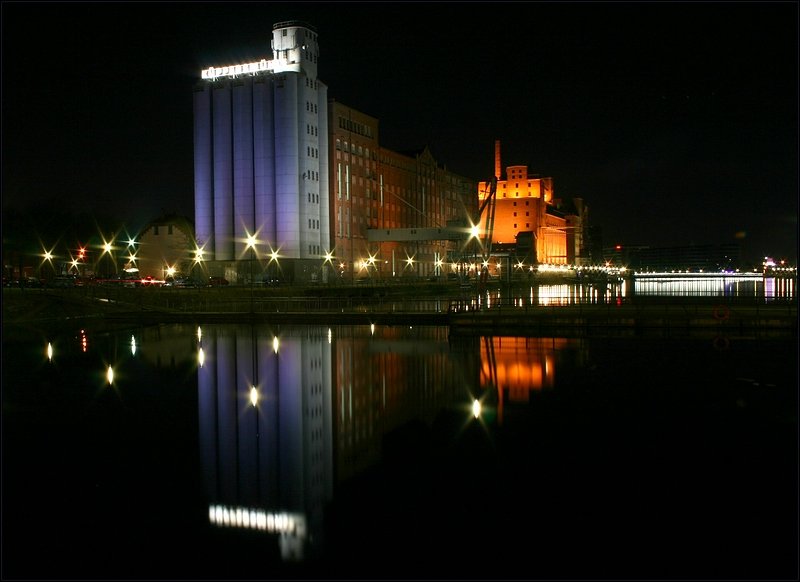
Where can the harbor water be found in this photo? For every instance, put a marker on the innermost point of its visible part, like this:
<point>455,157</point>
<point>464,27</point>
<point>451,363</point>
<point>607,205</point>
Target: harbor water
<point>262,451</point>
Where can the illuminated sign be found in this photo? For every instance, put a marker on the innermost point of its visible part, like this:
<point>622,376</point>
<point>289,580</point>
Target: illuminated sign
<point>242,517</point>
<point>262,66</point>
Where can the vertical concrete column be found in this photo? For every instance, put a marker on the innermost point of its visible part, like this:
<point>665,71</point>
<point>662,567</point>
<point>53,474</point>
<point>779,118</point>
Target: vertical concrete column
<point>203,170</point>
<point>264,162</point>
<point>287,166</point>
<point>243,194</point>
<point>223,174</point>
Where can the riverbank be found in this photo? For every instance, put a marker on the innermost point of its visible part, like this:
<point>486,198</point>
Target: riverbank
<point>431,305</point>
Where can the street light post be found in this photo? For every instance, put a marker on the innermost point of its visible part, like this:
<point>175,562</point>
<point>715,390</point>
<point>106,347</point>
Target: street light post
<point>251,244</point>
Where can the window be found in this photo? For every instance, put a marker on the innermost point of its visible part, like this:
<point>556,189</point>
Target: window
<point>515,214</point>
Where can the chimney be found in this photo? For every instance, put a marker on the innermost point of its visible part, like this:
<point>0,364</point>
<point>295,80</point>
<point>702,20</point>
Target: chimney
<point>497,166</point>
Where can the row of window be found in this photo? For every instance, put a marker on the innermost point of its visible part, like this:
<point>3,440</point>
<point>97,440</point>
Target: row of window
<point>361,151</point>
<point>312,197</point>
<point>311,129</point>
<point>313,249</point>
<point>312,152</point>
<point>311,175</point>
<point>312,107</point>
<point>355,127</point>
<point>311,83</point>
<point>313,223</point>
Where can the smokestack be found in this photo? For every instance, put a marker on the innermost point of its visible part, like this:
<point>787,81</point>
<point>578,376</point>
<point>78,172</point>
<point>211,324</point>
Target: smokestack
<point>497,159</point>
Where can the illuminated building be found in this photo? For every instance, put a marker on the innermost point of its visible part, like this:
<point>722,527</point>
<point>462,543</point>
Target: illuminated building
<point>261,158</point>
<point>525,203</point>
<point>163,244</point>
<point>376,189</point>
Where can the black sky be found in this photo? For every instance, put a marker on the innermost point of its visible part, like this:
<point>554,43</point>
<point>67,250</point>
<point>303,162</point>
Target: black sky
<point>675,122</point>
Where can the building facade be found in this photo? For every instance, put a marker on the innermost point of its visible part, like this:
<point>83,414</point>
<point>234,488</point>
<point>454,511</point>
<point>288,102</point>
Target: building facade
<point>261,160</point>
<point>376,189</point>
<point>526,203</point>
<point>163,249</point>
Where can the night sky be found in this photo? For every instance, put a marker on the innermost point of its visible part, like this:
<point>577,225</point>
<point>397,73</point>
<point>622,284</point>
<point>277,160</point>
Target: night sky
<point>675,122</point>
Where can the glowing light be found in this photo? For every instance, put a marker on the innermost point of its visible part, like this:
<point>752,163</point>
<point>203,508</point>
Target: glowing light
<point>372,328</point>
<point>170,271</point>
<point>48,256</point>
<point>329,257</point>
<point>253,68</point>
<point>198,255</point>
<point>199,333</point>
<point>330,335</point>
<point>106,247</point>
<point>290,523</point>
<point>251,241</point>
<point>49,351</point>
<point>110,375</point>
<point>275,344</point>
<point>273,256</point>
<point>476,408</point>
<point>253,396</point>
<point>475,231</point>
<point>133,346</point>
<point>410,261</point>
<point>201,357</point>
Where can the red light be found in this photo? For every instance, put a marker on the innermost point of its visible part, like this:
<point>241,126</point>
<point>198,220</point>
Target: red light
<point>618,247</point>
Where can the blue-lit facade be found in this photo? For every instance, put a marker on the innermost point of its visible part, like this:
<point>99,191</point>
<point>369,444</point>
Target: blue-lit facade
<point>261,159</point>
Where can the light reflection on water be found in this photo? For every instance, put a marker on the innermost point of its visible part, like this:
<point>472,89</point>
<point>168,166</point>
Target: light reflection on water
<point>613,289</point>
<point>286,419</point>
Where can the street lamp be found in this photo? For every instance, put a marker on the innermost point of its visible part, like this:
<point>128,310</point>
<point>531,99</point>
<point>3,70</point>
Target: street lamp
<point>273,257</point>
<point>328,260</point>
<point>108,248</point>
<point>47,258</point>
<point>198,259</point>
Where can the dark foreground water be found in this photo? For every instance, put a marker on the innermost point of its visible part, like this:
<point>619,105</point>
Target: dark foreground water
<point>354,452</point>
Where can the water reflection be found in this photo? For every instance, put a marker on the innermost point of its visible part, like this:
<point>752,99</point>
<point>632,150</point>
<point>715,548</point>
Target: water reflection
<point>351,441</point>
<point>285,417</point>
<point>613,290</point>
<point>266,433</point>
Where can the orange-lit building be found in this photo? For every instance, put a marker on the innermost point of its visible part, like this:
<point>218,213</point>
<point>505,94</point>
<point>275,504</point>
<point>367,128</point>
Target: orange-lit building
<point>526,203</point>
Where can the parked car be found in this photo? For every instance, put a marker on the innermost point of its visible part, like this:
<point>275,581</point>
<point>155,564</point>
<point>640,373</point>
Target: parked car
<point>184,282</point>
<point>64,281</point>
<point>217,281</point>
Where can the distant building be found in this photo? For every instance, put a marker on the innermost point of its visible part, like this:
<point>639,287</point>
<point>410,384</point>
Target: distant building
<point>525,203</point>
<point>691,257</point>
<point>164,247</point>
